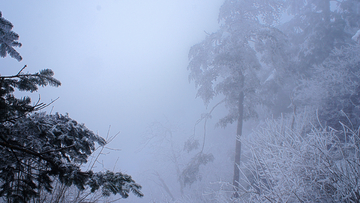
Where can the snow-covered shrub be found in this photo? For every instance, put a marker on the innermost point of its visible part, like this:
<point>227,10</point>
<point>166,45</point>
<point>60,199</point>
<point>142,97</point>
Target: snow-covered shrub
<point>301,163</point>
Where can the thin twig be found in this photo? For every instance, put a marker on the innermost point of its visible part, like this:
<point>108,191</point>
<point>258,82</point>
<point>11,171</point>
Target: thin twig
<point>21,70</point>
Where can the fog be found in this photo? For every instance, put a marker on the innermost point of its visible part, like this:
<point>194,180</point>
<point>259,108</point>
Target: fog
<point>121,63</point>
<point>259,106</point>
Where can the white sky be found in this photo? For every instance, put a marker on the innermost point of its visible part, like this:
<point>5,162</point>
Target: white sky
<point>121,63</point>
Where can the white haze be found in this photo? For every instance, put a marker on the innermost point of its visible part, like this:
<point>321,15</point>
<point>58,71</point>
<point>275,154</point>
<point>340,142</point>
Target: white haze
<point>121,63</point>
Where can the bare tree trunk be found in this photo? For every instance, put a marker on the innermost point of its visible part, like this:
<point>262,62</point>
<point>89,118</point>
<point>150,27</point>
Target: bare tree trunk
<point>236,178</point>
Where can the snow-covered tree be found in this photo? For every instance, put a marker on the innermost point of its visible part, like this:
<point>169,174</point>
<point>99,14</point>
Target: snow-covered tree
<point>228,62</point>
<point>255,59</point>
<point>325,58</point>
<point>313,158</point>
<point>37,148</point>
<point>334,88</point>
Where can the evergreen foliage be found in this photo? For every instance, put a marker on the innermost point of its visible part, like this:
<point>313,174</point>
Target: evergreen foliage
<point>8,39</point>
<point>38,148</point>
<point>12,108</point>
<point>115,183</point>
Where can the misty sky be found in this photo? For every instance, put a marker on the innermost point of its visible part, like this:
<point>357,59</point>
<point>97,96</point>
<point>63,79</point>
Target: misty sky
<point>121,63</point>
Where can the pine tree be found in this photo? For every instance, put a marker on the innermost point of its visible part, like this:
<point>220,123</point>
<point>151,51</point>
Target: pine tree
<point>38,148</point>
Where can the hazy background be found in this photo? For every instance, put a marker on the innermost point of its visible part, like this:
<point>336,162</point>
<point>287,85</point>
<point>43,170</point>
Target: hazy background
<point>121,63</point>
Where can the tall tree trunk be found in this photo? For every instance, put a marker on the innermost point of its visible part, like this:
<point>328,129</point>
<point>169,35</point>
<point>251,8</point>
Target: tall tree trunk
<point>236,178</point>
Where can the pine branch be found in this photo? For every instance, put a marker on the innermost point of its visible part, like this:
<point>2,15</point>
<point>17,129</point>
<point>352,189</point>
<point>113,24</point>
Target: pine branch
<point>37,107</point>
<point>56,150</point>
<point>5,144</point>
<point>19,75</point>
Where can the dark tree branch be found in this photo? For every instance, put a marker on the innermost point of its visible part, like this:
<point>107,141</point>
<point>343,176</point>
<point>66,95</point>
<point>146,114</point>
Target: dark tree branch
<point>39,155</point>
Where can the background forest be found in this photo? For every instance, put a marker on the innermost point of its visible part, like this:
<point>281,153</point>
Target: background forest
<point>298,61</point>
<point>280,83</point>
